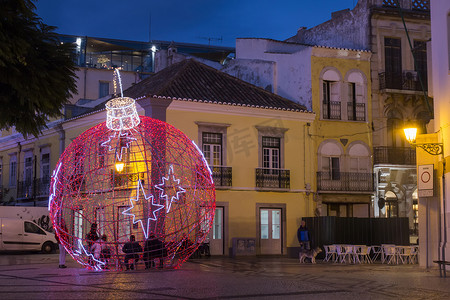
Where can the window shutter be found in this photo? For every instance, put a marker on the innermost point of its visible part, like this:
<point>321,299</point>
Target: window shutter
<point>359,93</point>
<point>334,94</point>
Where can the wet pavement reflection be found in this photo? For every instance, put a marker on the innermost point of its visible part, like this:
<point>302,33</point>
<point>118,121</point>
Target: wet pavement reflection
<point>37,276</point>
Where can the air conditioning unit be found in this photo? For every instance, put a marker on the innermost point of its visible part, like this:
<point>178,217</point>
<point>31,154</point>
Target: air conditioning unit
<point>409,75</point>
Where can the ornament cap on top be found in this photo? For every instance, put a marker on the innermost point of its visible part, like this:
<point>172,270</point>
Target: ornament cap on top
<point>121,114</point>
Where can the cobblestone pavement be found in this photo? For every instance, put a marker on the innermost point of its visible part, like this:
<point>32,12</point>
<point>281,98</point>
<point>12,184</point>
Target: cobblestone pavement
<point>36,276</point>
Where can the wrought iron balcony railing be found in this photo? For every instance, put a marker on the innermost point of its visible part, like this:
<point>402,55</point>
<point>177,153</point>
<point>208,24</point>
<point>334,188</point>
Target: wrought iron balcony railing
<point>31,189</point>
<point>222,176</point>
<point>356,111</point>
<point>345,182</point>
<point>398,81</point>
<point>421,5</point>
<point>394,155</point>
<point>332,110</point>
<point>273,178</point>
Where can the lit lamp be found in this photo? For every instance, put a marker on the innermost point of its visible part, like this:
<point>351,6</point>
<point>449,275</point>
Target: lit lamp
<point>433,149</point>
<point>119,166</point>
<point>411,134</point>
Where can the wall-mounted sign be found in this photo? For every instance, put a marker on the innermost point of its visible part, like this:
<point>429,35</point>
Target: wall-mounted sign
<point>425,180</point>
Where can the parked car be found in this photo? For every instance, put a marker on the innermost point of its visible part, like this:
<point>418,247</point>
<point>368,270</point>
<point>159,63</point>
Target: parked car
<point>24,235</point>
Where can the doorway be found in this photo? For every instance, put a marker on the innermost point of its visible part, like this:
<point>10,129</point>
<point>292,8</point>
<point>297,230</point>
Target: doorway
<point>216,233</point>
<point>270,230</point>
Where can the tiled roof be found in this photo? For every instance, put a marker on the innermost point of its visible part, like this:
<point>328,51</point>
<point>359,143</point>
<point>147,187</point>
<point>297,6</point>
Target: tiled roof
<point>190,80</point>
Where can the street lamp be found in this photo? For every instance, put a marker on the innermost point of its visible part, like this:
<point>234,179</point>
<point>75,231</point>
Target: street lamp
<point>433,149</point>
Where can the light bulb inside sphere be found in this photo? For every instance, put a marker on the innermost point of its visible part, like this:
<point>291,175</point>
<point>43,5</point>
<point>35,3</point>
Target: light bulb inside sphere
<point>119,166</point>
<point>165,194</point>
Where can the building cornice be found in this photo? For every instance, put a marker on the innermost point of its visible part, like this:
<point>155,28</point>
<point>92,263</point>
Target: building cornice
<point>241,111</point>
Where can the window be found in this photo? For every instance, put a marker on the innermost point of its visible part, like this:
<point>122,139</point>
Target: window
<point>329,159</point>
<point>45,165</point>
<point>100,220</point>
<point>32,228</point>
<point>271,173</point>
<point>271,152</point>
<point>356,101</point>
<point>212,148</point>
<point>393,63</point>
<point>359,158</point>
<point>78,226</point>
<point>420,49</point>
<point>101,154</point>
<point>331,168</point>
<point>28,168</point>
<point>103,89</point>
<point>12,170</point>
<point>331,103</point>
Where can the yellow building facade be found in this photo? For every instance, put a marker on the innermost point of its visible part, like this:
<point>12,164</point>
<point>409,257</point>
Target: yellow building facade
<point>255,142</point>
<point>342,131</point>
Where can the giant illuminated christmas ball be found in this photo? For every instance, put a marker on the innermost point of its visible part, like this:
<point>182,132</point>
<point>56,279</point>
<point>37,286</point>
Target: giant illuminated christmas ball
<point>136,176</point>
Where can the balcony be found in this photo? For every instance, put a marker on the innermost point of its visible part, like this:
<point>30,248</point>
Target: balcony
<point>394,155</point>
<point>407,81</point>
<point>273,178</point>
<point>332,110</point>
<point>356,111</point>
<point>36,188</point>
<point>345,182</point>
<point>222,176</point>
<point>420,5</point>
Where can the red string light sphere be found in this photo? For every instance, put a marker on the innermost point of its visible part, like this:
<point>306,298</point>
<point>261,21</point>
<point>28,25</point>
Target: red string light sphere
<point>149,181</point>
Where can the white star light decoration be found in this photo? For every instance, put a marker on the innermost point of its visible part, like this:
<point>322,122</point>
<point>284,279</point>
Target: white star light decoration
<point>127,136</point>
<point>85,257</point>
<point>153,211</point>
<point>173,186</point>
<point>55,180</point>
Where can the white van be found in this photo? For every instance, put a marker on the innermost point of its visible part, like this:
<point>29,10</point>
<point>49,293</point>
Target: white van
<point>24,235</point>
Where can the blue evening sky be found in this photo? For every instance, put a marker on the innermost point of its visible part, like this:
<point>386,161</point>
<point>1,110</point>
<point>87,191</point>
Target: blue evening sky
<point>191,21</point>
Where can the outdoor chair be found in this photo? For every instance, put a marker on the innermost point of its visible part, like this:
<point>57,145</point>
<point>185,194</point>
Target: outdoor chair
<point>405,254</point>
<point>363,254</point>
<point>350,254</point>
<point>414,252</point>
<point>389,254</point>
<point>330,253</point>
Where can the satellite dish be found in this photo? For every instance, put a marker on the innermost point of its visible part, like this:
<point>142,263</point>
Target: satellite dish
<point>381,203</point>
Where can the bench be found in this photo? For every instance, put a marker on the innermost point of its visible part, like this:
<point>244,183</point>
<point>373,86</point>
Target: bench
<point>442,264</point>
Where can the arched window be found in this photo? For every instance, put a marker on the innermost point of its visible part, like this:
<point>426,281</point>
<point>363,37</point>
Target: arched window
<point>331,94</point>
<point>356,96</point>
<point>396,137</point>
<point>359,157</point>
<point>330,154</point>
<point>391,204</point>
